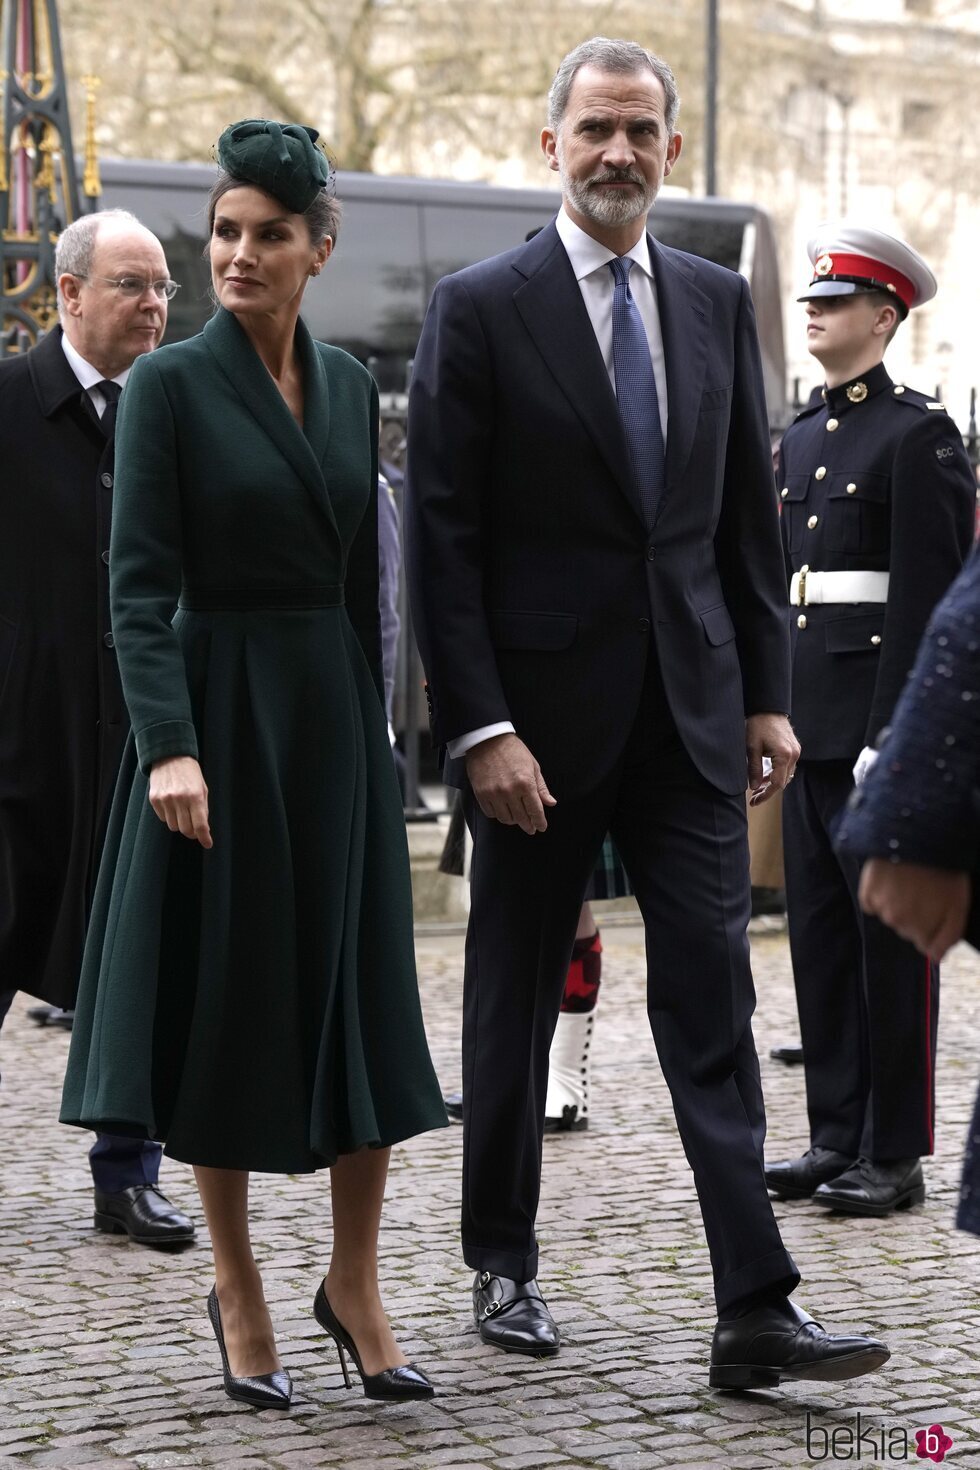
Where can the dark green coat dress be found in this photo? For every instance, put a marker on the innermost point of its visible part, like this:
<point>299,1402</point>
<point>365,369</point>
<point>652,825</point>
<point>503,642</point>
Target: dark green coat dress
<point>255,1006</point>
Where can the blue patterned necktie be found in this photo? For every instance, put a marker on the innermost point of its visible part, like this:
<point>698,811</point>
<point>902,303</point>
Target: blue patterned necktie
<point>636,391</point>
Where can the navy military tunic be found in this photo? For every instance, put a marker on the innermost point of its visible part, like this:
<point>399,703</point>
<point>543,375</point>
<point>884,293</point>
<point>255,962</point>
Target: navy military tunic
<point>872,478</point>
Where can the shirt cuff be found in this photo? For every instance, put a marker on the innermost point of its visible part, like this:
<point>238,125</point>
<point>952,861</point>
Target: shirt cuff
<point>457,748</point>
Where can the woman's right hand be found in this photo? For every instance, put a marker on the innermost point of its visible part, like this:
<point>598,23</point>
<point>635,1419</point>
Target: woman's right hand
<point>179,797</point>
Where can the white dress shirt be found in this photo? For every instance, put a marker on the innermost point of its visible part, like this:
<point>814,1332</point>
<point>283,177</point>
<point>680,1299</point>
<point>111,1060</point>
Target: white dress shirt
<point>590,262</point>
<point>88,376</point>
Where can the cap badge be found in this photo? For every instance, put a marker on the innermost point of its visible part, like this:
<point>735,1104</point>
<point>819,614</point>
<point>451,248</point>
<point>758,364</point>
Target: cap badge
<point>824,265</point>
<point>857,392</point>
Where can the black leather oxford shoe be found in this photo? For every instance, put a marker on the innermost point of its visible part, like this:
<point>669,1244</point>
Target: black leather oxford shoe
<point>780,1340</point>
<point>798,1178</point>
<point>792,1056</point>
<point>144,1214</point>
<point>453,1103</point>
<point>513,1315</point>
<point>874,1189</point>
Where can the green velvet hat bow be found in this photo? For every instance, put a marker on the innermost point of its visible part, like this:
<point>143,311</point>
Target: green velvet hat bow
<point>281,158</point>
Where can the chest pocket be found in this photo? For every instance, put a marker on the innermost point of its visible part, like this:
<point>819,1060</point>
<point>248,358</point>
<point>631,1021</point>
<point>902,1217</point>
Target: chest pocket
<point>793,498</point>
<point>857,512</point>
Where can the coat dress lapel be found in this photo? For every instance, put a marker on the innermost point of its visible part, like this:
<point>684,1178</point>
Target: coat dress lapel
<point>304,449</point>
<point>551,306</point>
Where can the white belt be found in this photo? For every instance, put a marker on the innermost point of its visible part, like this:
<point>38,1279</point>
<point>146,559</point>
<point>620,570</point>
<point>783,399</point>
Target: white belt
<point>808,588</point>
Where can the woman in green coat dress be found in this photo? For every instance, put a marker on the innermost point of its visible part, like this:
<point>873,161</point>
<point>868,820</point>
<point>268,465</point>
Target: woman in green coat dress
<point>249,990</point>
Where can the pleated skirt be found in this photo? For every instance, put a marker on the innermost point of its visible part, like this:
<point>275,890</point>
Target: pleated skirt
<point>256,1006</point>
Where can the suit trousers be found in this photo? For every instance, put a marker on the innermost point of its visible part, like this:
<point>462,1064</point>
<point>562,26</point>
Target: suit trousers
<point>116,1163</point>
<point>868,1001</point>
<point>685,850</point>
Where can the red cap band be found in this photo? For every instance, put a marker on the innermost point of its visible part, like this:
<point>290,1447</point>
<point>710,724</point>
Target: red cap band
<point>867,268</point>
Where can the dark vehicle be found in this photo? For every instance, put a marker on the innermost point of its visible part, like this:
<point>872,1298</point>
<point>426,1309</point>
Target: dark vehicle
<point>399,236</point>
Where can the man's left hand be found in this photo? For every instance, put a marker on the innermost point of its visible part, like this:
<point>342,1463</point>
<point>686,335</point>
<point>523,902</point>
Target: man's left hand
<point>770,735</point>
<point>928,906</point>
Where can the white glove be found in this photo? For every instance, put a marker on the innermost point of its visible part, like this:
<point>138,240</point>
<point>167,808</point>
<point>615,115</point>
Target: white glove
<point>864,764</point>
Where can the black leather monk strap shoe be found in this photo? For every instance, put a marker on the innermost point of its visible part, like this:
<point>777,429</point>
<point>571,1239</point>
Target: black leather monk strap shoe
<point>144,1214</point>
<point>513,1315</point>
<point>874,1189</point>
<point>780,1340</point>
<point>798,1178</point>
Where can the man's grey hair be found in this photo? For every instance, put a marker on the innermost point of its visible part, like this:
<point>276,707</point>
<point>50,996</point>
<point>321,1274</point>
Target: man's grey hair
<point>75,250</point>
<point>616,56</point>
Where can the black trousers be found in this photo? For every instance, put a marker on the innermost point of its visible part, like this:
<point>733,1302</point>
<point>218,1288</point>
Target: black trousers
<point>116,1163</point>
<point>685,849</point>
<point>868,1001</point>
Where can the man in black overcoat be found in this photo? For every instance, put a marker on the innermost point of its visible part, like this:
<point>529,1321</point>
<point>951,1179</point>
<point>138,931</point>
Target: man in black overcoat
<point>598,594</point>
<point>878,506</point>
<point>62,718</point>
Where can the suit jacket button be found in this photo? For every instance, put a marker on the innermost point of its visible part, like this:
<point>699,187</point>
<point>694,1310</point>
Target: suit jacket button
<point>832,424</point>
<point>820,472</point>
<point>784,491</point>
<point>876,639</point>
<point>105,557</point>
<point>108,640</point>
<point>801,620</point>
<point>644,625</point>
<point>812,522</point>
<point>106,479</point>
<point>651,553</point>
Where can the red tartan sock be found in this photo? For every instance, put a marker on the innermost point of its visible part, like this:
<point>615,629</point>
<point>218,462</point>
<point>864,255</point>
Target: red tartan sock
<point>584,976</point>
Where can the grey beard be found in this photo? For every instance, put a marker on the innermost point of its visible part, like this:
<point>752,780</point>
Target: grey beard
<point>607,209</point>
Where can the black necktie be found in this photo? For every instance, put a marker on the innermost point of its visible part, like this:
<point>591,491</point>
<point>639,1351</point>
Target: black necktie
<point>111,393</point>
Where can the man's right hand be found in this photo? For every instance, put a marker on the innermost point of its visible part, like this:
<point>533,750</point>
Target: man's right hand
<point>179,797</point>
<point>508,784</point>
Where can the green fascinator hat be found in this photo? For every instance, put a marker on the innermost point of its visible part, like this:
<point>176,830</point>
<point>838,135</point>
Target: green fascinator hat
<point>281,158</point>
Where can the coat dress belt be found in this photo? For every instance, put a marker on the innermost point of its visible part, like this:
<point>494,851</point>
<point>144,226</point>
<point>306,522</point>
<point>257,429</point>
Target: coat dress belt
<point>260,599</point>
<point>809,588</point>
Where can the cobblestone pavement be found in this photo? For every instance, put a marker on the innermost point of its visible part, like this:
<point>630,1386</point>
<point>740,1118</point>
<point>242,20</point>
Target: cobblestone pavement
<point>107,1359</point>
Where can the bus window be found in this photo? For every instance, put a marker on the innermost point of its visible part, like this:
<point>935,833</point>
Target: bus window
<point>373,297</point>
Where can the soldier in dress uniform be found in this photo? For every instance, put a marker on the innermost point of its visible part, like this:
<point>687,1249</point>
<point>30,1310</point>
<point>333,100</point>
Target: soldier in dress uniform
<point>877,518</point>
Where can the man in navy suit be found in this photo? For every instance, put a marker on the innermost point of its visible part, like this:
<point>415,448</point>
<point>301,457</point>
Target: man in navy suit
<point>600,606</point>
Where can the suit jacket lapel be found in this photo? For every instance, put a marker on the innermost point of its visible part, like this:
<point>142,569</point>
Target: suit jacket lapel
<point>304,448</point>
<point>551,306</point>
<point>685,320</point>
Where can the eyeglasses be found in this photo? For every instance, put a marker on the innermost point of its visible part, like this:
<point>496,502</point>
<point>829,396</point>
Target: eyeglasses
<point>135,286</point>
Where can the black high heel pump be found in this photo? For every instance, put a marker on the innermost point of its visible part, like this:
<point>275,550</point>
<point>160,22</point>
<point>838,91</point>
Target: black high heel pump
<point>267,1390</point>
<point>394,1384</point>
